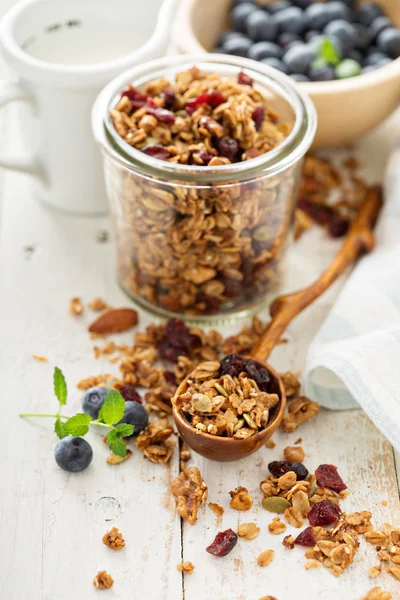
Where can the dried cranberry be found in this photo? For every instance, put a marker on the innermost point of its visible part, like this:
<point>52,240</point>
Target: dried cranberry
<point>233,365</point>
<point>228,147</point>
<point>169,352</point>
<point>244,79</point>
<point>157,151</point>
<point>161,114</point>
<point>223,543</point>
<point>233,287</point>
<point>211,304</point>
<point>324,513</point>
<point>258,116</point>
<point>169,377</point>
<point>204,156</point>
<point>258,374</point>
<point>279,467</point>
<point>169,98</point>
<point>137,98</point>
<point>306,538</point>
<point>214,99</point>
<point>177,341</point>
<point>328,476</point>
<point>321,214</point>
<point>129,394</point>
<point>338,227</point>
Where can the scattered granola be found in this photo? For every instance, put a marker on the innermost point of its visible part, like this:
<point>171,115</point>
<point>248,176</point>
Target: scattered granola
<point>88,382</point>
<point>300,410</point>
<point>294,453</point>
<point>40,358</point>
<point>113,459</point>
<point>217,509</point>
<point>97,305</point>
<point>248,530</point>
<point>241,499</point>
<point>265,558</point>
<point>75,307</point>
<point>276,526</point>
<point>268,598</point>
<point>288,542</point>
<point>294,516</point>
<point>114,539</point>
<point>291,384</point>
<point>374,571</point>
<point>244,341</point>
<point>387,543</point>
<point>185,567</point>
<point>190,490</point>
<point>270,444</point>
<point>153,440</point>
<point>377,593</point>
<point>224,404</point>
<point>312,564</point>
<point>103,581</point>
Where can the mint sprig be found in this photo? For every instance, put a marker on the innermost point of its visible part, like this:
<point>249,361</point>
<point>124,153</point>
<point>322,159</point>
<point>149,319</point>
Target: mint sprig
<point>328,53</point>
<point>111,413</point>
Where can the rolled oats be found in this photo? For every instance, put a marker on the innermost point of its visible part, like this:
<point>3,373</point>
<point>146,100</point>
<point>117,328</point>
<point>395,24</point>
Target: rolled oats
<point>185,567</point>
<point>288,542</point>
<point>265,558</point>
<point>190,491</point>
<point>300,410</point>
<point>276,527</point>
<point>113,459</point>
<point>377,593</point>
<point>241,499</point>
<point>248,530</point>
<point>294,516</point>
<point>75,307</point>
<point>216,508</point>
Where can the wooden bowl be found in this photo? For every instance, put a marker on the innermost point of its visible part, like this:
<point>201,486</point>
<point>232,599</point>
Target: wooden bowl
<point>345,108</point>
<point>225,449</point>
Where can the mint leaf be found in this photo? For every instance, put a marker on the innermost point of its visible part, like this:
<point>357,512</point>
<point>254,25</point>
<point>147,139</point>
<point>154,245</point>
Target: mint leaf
<point>60,386</point>
<point>78,425</point>
<point>124,429</point>
<point>330,52</point>
<point>60,429</point>
<point>116,443</point>
<point>113,408</point>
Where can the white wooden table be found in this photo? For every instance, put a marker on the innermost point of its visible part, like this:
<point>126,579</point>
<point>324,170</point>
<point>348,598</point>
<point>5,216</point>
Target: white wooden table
<point>51,523</point>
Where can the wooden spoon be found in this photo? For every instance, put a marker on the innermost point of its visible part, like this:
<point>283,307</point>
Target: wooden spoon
<point>359,240</point>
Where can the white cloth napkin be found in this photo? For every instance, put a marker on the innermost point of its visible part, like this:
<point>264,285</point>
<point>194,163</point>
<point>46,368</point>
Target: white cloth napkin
<point>354,360</point>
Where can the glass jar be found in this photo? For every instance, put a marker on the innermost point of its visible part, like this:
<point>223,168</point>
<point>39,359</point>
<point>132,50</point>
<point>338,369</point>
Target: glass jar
<point>199,242</point>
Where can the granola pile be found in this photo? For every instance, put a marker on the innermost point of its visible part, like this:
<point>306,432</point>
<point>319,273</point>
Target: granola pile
<point>228,398</point>
<point>206,248</point>
<point>199,118</point>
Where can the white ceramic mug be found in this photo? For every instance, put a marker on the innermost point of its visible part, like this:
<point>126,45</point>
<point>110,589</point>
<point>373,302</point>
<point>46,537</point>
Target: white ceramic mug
<point>64,52</point>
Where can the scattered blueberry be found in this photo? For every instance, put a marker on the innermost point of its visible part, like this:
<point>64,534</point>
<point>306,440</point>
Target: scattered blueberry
<point>261,26</point>
<point>389,42</point>
<point>355,55</point>
<point>322,72</point>
<point>286,38</point>
<point>299,59</point>
<point>239,46</point>
<point>135,414</point>
<point>379,25</point>
<point>93,401</point>
<point>338,10</point>
<point>311,34</point>
<point>265,50</point>
<point>374,58</point>
<point>317,15</point>
<point>240,14</point>
<point>291,20</point>
<point>278,6</point>
<point>368,12</point>
<point>73,454</point>
<point>276,63</point>
<point>347,68</point>
<point>362,37</point>
<point>299,77</point>
<point>227,35</point>
<point>343,30</point>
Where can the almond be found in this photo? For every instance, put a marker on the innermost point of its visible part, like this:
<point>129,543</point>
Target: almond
<point>115,320</point>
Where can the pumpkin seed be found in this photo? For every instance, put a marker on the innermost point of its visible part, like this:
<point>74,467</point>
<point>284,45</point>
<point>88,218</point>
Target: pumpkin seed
<point>201,403</point>
<point>238,425</point>
<point>276,504</point>
<point>220,389</point>
<point>250,422</point>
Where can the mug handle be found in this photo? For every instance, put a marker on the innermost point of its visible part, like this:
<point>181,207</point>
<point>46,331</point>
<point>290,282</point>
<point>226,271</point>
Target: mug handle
<point>9,91</point>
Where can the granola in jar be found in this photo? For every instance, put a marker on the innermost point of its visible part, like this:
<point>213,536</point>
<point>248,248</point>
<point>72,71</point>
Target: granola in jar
<point>202,179</point>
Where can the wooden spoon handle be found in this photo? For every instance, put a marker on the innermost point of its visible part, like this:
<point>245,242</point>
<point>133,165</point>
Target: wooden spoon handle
<point>359,239</point>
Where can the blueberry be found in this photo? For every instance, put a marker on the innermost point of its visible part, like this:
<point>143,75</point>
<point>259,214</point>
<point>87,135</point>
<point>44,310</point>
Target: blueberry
<point>317,15</point>
<point>278,6</point>
<point>338,10</point>
<point>93,400</point>
<point>370,68</point>
<point>343,30</point>
<point>225,36</point>
<point>73,454</point>
<point>341,46</point>
<point>347,68</point>
<point>236,2</point>
<point>302,3</point>
<point>349,3</point>
<point>311,34</point>
<point>317,41</point>
<point>323,72</point>
<point>238,46</point>
<point>276,63</point>
<point>299,77</point>
<point>389,42</point>
<point>261,26</point>
<point>379,25</point>
<point>292,20</point>
<point>240,14</point>
<point>368,12</point>
<point>363,36</point>
<point>299,59</point>
<point>135,414</point>
<point>374,58</point>
<point>265,50</point>
<point>355,55</point>
<point>287,38</point>
<point>293,44</point>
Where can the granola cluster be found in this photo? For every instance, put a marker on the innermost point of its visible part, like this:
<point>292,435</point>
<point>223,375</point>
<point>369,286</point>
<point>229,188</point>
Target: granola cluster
<point>206,248</point>
<point>387,544</point>
<point>155,443</point>
<point>190,491</point>
<point>199,118</point>
<point>225,405</point>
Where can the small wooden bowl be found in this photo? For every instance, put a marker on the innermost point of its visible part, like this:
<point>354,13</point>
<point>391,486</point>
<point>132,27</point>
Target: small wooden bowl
<point>345,108</point>
<point>225,449</point>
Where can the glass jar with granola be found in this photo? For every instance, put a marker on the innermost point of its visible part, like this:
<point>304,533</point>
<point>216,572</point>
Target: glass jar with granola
<point>202,157</point>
